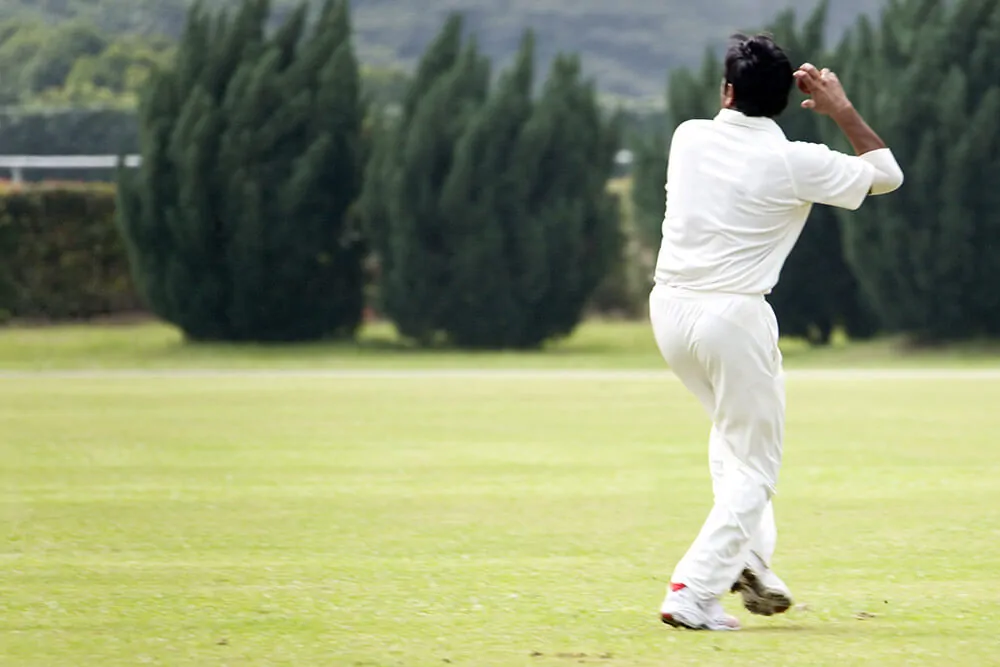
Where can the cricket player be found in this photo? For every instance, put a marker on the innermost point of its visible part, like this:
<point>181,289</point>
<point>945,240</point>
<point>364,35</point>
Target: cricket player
<point>738,195</point>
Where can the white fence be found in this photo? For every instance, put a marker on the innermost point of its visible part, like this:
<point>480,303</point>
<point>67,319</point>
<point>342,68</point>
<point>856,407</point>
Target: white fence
<point>16,164</point>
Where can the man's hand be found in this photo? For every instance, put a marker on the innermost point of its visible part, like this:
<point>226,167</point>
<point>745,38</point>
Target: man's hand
<point>827,96</point>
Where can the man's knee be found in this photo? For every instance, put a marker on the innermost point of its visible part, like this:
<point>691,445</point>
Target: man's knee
<point>755,441</point>
<point>745,494</point>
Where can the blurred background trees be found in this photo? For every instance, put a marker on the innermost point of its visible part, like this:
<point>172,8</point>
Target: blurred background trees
<point>487,187</point>
<point>239,223</point>
<point>627,45</point>
<point>488,207</point>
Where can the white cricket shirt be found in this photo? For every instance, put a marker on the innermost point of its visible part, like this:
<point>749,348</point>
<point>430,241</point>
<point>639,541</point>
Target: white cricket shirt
<point>738,195</point>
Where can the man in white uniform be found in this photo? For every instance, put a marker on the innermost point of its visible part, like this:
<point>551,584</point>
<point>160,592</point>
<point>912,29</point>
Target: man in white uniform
<point>738,195</point>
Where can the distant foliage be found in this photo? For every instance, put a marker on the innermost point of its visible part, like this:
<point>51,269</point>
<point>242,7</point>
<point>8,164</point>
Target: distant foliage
<point>74,64</point>
<point>413,159</point>
<point>239,224</point>
<point>927,78</point>
<point>488,209</point>
<point>61,256</point>
<point>817,292</point>
<point>628,45</point>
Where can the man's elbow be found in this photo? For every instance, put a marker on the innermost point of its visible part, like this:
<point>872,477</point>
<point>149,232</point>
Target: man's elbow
<point>888,175</point>
<point>883,184</point>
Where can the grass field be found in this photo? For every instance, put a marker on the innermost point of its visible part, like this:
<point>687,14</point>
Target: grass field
<point>611,345</point>
<point>276,519</point>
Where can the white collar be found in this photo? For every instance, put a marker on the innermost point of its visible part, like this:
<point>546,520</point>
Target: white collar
<point>734,117</point>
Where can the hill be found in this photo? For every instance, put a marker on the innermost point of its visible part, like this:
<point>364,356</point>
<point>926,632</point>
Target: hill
<point>627,45</point>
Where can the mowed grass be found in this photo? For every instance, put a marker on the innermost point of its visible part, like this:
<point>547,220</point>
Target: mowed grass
<point>596,344</point>
<point>276,520</point>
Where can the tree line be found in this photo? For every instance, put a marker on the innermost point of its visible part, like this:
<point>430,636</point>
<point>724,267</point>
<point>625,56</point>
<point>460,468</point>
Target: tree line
<point>272,196</point>
<point>628,44</point>
<point>264,184</point>
<point>78,64</point>
<point>74,63</point>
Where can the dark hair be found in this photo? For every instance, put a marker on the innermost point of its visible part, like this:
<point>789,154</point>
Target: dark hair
<point>761,75</point>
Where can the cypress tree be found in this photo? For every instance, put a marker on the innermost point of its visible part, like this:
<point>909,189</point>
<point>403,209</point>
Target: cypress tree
<point>817,292</point>
<point>421,254</point>
<point>570,235</point>
<point>239,223</point>
<point>926,78</point>
<point>402,198</point>
<point>531,227</point>
<point>437,61</point>
<point>483,204</point>
<point>491,218</point>
<point>649,169</point>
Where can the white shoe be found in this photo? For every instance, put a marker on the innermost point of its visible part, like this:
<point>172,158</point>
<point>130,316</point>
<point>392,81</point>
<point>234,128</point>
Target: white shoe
<point>682,609</point>
<point>764,593</point>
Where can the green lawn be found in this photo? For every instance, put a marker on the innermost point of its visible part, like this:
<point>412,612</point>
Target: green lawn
<point>309,521</point>
<point>616,345</point>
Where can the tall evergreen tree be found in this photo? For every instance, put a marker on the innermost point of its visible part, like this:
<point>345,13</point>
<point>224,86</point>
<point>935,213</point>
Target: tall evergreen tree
<point>570,232</point>
<point>817,291</point>
<point>532,228</point>
<point>239,223</point>
<point>414,157</point>
<point>383,167</point>
<point>489,211</point>
<point>420,253</point>
<point>483,203</point>
<point>926,78</point>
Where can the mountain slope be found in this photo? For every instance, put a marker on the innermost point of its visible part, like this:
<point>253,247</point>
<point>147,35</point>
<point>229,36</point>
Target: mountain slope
<point>628,45</point>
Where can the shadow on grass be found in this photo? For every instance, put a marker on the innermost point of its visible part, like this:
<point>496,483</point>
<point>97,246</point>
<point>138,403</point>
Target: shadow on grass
<point>555,348</point>
<point>377,346</point>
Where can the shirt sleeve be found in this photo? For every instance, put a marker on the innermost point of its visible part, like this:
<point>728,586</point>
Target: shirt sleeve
<point>824,176</point>
<point>888,176</point>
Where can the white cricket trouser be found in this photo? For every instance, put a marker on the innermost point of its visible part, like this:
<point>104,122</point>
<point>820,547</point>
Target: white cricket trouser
<point>724,349</point>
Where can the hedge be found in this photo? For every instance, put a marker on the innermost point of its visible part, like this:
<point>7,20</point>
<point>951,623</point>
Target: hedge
<point>61,256</point>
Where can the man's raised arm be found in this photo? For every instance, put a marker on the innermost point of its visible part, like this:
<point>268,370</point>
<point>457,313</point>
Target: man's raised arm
<point>827,97</point>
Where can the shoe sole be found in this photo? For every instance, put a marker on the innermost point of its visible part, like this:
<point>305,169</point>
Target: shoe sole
<point>758,599</point>
<point>675,622</point>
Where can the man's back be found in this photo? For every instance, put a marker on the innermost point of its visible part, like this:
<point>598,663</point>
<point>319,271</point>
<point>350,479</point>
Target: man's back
<point>738,197</point>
